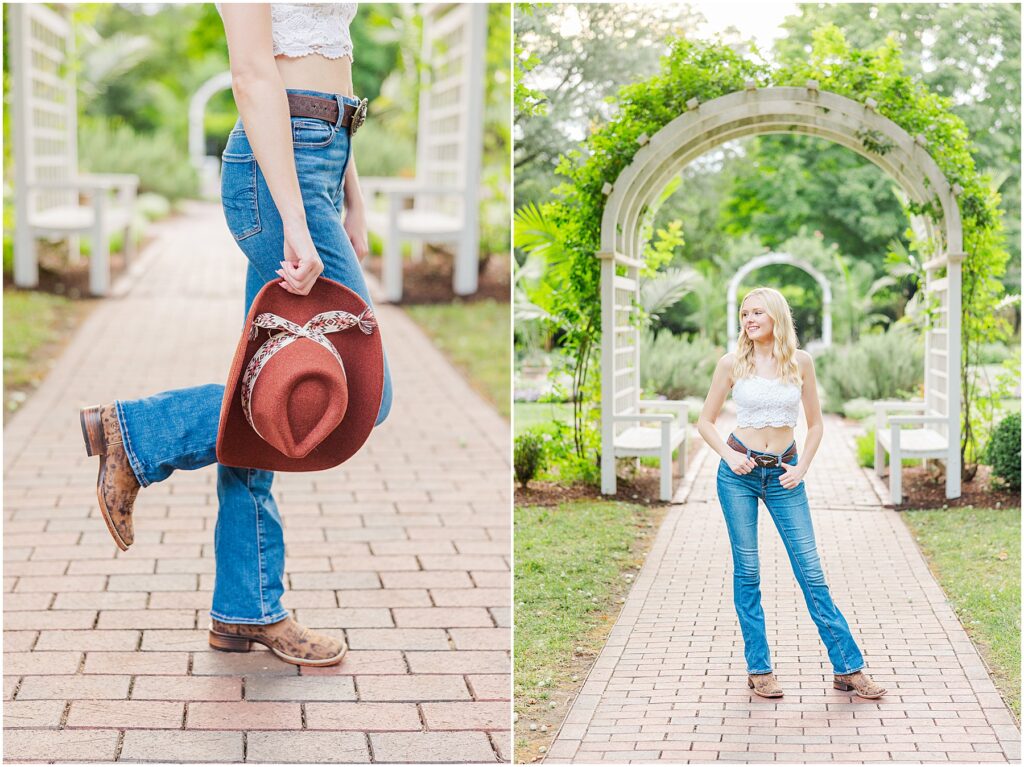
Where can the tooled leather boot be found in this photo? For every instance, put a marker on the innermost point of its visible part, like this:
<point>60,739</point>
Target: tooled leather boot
<point>860,683</point>
<point>765,685</point>
<point>116,485</point>
<point>289,641</point>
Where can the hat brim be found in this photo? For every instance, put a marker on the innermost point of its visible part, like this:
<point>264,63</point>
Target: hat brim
<point>239,445</point>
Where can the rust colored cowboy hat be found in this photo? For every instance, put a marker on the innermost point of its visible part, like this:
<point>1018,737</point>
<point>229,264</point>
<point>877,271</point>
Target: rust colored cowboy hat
<point>306,382</point>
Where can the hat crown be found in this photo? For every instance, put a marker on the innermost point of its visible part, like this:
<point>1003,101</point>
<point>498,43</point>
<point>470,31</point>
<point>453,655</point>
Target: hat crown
<point>301,398</point>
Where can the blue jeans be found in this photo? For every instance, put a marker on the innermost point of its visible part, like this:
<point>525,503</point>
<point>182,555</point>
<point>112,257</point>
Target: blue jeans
<point>178,429</point>
<point>738,494</point>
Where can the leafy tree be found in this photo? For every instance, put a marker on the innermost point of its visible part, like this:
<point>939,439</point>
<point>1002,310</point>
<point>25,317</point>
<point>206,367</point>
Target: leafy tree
<point>579,55</point>
<point>968,52</point>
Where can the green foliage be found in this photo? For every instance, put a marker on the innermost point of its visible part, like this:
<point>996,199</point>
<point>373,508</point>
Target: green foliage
<point>968,52</point>
<point>579,55</point>
<point>1003,451</point>
<point>706,71</point>
<point>858,409</point>
<point>780,186</point>
<point>528,457</point>
<point>159,161</point>
<point>676,367</point>
<point>882,366</point>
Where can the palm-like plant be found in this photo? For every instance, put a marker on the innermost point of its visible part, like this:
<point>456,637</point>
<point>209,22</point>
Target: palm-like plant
<point>856,295</point>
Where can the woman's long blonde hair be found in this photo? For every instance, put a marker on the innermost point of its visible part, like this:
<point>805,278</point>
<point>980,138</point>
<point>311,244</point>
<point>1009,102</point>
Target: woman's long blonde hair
<point>785,346</point>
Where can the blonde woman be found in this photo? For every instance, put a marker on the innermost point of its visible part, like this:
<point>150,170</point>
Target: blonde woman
<point>769,377</point>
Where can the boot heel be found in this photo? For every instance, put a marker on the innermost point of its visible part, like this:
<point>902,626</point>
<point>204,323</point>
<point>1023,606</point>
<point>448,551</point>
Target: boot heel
<point>92,431</point>
<point>842,686</point>
<point>229,643</point>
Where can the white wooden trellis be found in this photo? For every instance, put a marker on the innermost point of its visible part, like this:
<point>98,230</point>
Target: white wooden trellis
<point>47,183</point>
<point>445,194</point>
<point>768,259</point>
<point>806,110</point>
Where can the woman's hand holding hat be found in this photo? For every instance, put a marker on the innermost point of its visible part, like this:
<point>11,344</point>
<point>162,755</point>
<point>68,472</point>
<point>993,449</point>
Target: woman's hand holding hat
<point>302,264</point>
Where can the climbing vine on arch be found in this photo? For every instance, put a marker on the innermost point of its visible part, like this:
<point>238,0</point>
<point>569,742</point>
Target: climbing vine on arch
<point>705,71</point>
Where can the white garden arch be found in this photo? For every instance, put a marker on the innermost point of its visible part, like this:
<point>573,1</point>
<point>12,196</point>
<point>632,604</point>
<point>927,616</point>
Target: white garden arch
<point>632,201</point>
<point>207,167</point>
<point>770,259</point>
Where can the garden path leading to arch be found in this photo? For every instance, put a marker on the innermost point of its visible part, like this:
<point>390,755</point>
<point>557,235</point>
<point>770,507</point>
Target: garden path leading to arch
<point>405,548</point>
<point>670,684</point>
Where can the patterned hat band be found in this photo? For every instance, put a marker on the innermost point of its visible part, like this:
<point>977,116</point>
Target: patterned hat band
<point>287,333</point>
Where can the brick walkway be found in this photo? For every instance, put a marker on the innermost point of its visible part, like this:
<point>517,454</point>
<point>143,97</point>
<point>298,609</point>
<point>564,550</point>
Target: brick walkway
<point>671,685</point>
<point>404,549</point>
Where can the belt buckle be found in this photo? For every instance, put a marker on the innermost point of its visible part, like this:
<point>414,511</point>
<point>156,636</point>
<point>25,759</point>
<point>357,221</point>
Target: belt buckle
<point>359,116</point>
<point>766,461</point>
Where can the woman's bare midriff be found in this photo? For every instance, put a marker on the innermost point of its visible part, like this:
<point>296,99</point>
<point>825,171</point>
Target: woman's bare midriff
<point>316,73</point>
<point>768,439</point>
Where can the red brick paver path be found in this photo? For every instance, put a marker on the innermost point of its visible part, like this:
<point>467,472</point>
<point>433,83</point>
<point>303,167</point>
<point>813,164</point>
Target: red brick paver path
<point>404,549</point>
<point>670,684</point>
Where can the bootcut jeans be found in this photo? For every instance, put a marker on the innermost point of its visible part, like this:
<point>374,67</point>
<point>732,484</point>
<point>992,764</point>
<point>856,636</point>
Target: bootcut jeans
<point>178,429</point>
<point>738,494</point>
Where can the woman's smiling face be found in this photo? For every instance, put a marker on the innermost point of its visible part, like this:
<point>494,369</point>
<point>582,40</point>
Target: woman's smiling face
<point>755,320</point>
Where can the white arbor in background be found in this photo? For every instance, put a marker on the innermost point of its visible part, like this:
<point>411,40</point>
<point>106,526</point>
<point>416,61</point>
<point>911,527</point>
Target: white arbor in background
<point>632,200</point>
<point>206,166</point>
<point>769,259</point>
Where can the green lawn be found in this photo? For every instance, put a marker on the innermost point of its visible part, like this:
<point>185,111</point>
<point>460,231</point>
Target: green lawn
<point>975,555</point>
<point>476,337</point>
<point>569,573</point>
<point>35,326</point>
<point>530,414</point>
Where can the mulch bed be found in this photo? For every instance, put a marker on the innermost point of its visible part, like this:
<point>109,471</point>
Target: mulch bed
<point>430,280</point>
<point>59,277</point>
<point>641,489</point>
<point>926,489</point>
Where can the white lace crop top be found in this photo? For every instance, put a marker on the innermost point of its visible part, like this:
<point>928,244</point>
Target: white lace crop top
<point>302,28</point>
<point>764,402</point>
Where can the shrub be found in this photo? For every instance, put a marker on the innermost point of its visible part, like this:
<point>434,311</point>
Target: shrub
<point>528,458</point>
<point>677,367</point>
<point>858,409</point>
<point>881,366</point>
<point>1003,451</point>
<point>160,162</point>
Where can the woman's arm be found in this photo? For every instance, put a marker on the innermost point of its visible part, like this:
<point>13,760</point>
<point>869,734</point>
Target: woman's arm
<point>720,385</point>
<point>355,210</point>
<point>815,423</point>
<point>263,106</point>
<point>812,410</point>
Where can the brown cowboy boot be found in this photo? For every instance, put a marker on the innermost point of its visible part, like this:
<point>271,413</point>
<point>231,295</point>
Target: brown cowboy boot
<point>116,485</point>
<point>859,682</point>
<point>765,685</point>
<point>289,641</point>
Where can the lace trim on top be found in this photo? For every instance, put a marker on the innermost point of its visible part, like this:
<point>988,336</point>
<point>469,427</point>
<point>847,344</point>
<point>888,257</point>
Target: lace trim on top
<point>762,402</point>
<point>300,29</point>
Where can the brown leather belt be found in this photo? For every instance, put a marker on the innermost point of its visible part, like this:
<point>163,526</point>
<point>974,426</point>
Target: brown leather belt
<point>766,460</point>
<point>302,105</point>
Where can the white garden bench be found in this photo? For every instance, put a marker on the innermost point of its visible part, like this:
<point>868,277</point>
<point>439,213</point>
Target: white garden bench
<point>441,205</point>
<point>931,419</point>
<point>628,423</point>
<point>927,441</point>
<point>668,432</point>
<point>48,186</point>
